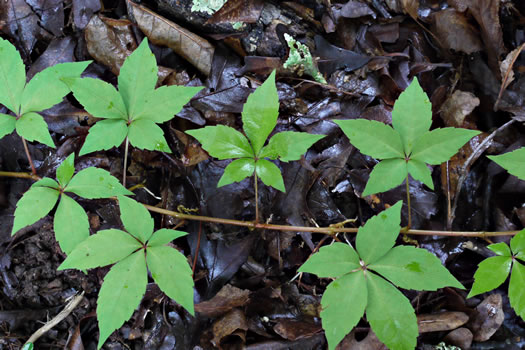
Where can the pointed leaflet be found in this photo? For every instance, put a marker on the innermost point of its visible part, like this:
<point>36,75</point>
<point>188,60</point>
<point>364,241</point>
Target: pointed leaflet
<point>66,170</point>
<point>7,124</point>
<point>46,89</point>
<point>162,104</point>
<point>332,261</point>
<point>513,162</point>
<point>223,142</point>
<point>145,134</point>
<point>136,218</point>
<point>99,98</point>
<point>237,171</point>
<point>104,135</point>
<point>491,273</point>
<point>171,272</point>
<point>516,290</point>
<point>103,248</point>
<point>420,172</point>
<point>12,76</point>
<point>260,112</point>
<point>379,234</point>
<point>94,183</point>
<point>137,78</point>
<point>412,115</point>
<point>344,302</point>
<point>164,236</point>
<point>120,294</point>
<point>517,243</point>
<point>33,127</point>
<point>36,203</point>
<point>373,138</point>
<point>387,174</point>
<point>71,224</point>
<point>46,182</point>
<point>270,174</point>
<point>500,249</point>
<point>390,314</point>
<point>289,145</point>
<point>414,268</point>
<point>437,146</point>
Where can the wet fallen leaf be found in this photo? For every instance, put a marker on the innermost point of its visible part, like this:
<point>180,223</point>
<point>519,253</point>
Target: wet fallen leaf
<point>333,57</point>
<point>83,10</point>
<point>247,11</point>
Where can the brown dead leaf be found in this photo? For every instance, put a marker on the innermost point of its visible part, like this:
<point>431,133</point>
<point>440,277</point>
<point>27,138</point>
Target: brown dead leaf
<point>488,318</point>
<point>226,299</point>
<point>461,337</point>
<point>247,11</point>
<point>410,7</point>
<point>370,342</point>
<point>293,330</point>
<point>233,323</point>
<point>455,32</point>
<point>457,107</point>
<point>444,321</point>
<point>161,31</point>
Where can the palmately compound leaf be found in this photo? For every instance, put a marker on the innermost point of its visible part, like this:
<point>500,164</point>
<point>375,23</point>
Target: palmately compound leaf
<point>164,236</point>
<point>237,171</point>
<point>101,249</point>
<point>66,170</point>
<point>120,294</point>
<point>491,273</point>
<point>438,145</point>
<point>343,302</point>
<point>386,174</point>
<point>373,138</point>
<point>104,135</point>
<point>517,243</point>
<point>270,174</point>
<point>12,76</point>
<point>414,268</point>
<point>71,224</point>
<point>412,114</point>
<point>94,183</point>
<point>513,162</point>
<point>33,127</point>
<point>145,134</point>
<point>289,145</point>
<point>420,172</point>
<point>223,142</point>
<point>170,270</point>
<point>379,234</point>
<point>7,124</point>
<point>390,314</point>
<point>516,290</point>
<point>136,218</point>
<point>334,260</point>
<point>36,203</point>
<point>260,112</point>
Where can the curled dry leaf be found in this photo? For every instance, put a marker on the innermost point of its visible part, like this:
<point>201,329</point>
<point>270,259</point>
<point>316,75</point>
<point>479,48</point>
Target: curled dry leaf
<point>457,107</point>
<point>455,32</point>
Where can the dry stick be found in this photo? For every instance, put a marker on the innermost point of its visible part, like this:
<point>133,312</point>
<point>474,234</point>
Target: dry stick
<point>33,170</point>
<point>475,155</point>
<point>56,320</point>
<point>125,162</point>
<point>505,83</point>
<point>20,175</point>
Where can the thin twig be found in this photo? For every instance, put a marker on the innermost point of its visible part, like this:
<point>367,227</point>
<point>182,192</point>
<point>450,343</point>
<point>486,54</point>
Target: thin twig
<point>20,175</point>
<point>33,169</point>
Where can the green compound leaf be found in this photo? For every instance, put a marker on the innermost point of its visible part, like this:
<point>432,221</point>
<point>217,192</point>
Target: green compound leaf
<point>46,88</point>
<point>46,182</point>
<point>516,290</point>
<point>120,294</point>
<point>173,275</point>
<point>386,175</point>
<point>517,243</point>
<point>390,314</point>
<point>12,76</point>
<point>260,112</point>
<point>437,146</point>
<point>7,124</point>
<point>373,138</point>
<point>137,78</point>
<point>101,249</point>
<point>71,224</point>
<point>223,142</point>
<point>270,174</point>
<point>104,135</point>
<point>163,103</point>
<point>289,145</point>
<point>99,98</point>
<point>237,171</point>
<point>491,273</point>
<point>33,127</point>
<point>412,115</point>
<point>145,134</point>
<point>344,302</point>
<point>420,172</point>
<point>164,236</point>
<point>379,234</point>
<point>94,183</point>
<point>513,162</point>
<point>500,249</point>
<point>414,268</point>
<point>136,218</point>
<point>332,261</point>
<point>66,170</point>
<point>36,203</point>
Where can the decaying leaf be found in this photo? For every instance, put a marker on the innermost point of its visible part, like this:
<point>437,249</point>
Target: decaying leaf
<point>247,11</point>
<point>455,32</point>
<point>457,107</point>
